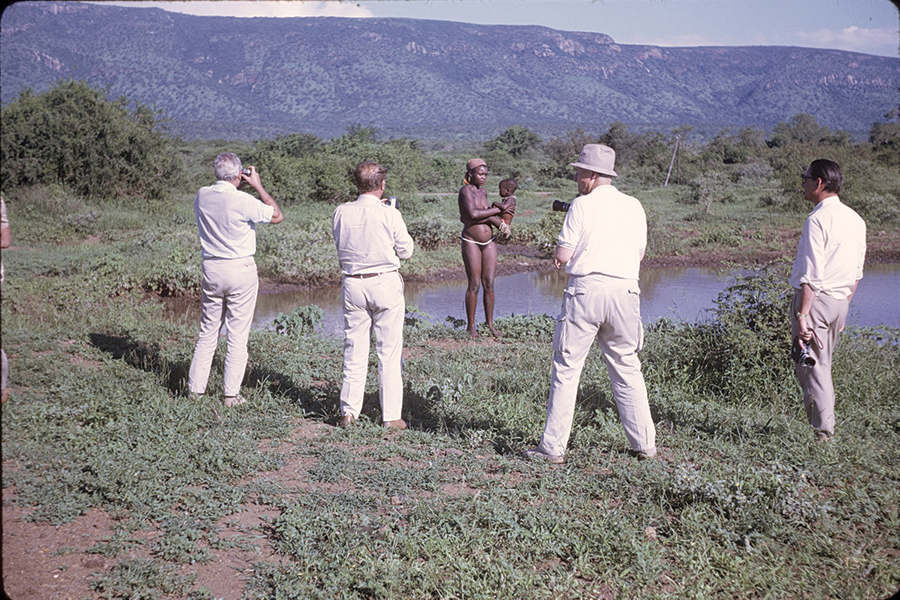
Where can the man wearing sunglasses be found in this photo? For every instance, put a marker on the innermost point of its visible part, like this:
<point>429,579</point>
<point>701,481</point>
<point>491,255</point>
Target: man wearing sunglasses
<point>825,274</point>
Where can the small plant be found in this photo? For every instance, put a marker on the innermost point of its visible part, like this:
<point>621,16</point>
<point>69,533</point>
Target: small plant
<point>302,321</point>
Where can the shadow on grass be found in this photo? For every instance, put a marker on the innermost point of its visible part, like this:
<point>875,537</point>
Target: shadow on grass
<point>317,400</point>
<point>146,357</point>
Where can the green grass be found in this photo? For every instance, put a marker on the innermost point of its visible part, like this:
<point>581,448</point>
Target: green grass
<point>741,503</point>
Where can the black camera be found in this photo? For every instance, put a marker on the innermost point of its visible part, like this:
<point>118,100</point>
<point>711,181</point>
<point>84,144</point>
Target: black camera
<point>245,172</point>
<point>560,206</point>
<point>800,354</point>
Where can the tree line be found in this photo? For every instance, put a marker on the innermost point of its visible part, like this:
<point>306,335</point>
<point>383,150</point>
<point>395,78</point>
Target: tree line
<point>105,148</point>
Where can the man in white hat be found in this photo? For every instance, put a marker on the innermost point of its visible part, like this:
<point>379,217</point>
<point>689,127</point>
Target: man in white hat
<point>601,244</point>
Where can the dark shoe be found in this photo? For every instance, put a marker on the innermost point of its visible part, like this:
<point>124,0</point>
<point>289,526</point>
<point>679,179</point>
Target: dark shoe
<point>398,424</point>
<point>346,421</point>
<point>639,454</point>
<point>536,454</point>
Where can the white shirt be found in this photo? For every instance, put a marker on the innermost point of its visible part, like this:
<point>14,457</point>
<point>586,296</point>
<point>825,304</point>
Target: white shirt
<point>607,230</point>
<point>369,236</point>
<point>226,219</point>
<point>831,250</point>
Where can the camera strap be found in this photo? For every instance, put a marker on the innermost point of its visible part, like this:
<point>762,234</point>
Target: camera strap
<point>818,341</point>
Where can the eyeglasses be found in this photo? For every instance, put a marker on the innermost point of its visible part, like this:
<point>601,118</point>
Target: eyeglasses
<point>803,178</point>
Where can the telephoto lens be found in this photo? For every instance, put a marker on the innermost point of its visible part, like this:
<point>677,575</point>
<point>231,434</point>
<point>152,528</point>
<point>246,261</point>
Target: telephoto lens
<point>560,206</point>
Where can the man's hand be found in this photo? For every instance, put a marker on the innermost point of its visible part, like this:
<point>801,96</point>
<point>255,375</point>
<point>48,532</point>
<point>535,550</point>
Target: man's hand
<point>253,180</point>
<point>562,256</point>
<point>805,333</point>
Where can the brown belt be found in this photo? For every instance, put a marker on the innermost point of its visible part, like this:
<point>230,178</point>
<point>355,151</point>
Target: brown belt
<point>368,275</point>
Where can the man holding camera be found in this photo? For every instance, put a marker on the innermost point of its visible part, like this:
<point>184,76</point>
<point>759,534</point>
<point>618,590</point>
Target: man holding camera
<point>371,239</point>
<point>828,267</point>
<point>601,243</point>
<point>226,219</point>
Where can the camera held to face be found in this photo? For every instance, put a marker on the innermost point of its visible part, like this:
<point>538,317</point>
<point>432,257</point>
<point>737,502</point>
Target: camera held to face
<point>560,206</point>
<point>245,172</point>
<point>800,354</point>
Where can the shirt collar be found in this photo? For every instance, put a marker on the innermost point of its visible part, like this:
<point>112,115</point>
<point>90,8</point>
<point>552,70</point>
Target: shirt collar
<point>368,199</point>
<point>826,202</point>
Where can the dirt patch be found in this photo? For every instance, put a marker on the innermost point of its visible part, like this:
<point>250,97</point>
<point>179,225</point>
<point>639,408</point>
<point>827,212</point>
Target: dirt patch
<point>50,562</point>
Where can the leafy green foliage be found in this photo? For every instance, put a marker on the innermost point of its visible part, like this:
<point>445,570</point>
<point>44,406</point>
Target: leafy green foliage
<point>73,135</point>
<point>302,320</point>
<point>300,168</point>
<point>712,186</point>
<point>747,341</point>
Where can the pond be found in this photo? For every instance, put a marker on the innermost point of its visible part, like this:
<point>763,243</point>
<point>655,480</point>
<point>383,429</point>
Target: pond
<point>680,293</point>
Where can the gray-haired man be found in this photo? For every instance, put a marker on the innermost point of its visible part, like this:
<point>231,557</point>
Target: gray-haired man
<point>226,220</point>
<point>601,244</point>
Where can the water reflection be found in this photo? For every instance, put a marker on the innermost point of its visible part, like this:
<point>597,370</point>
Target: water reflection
<point>680,293</point>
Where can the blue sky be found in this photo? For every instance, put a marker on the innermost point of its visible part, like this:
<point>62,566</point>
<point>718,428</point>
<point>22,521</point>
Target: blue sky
<point>869,26</point>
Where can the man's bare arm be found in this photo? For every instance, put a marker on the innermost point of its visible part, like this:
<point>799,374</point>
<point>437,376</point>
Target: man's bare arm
<point>254,181</point>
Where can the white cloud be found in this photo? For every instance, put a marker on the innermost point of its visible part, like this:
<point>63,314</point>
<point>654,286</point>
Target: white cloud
<point>852,38</point>
<point>253,8</point>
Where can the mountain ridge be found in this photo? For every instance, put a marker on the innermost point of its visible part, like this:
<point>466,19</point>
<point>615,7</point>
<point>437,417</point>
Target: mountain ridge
<point>321,74</point>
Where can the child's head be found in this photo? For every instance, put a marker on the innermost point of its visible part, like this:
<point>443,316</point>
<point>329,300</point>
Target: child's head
<point>508,187</point>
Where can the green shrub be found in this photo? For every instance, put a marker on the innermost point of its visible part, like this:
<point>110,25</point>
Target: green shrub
<point>743,348</point>
<point>431,231</point>
<point>547,231</point>
<point>73,135</point>
<point>301,321</point>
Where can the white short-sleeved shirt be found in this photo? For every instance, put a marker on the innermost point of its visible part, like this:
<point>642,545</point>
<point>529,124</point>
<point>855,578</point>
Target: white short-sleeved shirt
<point>369,236</point>
<point>607,230</point>
<point>226,219</point>
<point>831,251</point>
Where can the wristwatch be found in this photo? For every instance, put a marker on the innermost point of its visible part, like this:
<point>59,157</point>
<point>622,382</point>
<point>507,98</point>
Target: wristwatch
<point>800,314</point>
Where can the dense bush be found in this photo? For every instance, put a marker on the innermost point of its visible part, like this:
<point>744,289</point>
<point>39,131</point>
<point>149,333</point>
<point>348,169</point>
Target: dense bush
<point>74,135</point>
<point>300,168</point>
<point>744,345</point>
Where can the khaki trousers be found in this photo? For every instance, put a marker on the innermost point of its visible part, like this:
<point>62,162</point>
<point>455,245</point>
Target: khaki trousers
<point>608,309</point>
<point>229,299</point>
<point>373,303</point>
<point>826,317</point>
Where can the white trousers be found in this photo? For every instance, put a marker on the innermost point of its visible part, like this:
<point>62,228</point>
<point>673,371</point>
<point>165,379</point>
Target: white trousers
<point>608,309</point>
<point>373,303</point>
<point>229,298</point>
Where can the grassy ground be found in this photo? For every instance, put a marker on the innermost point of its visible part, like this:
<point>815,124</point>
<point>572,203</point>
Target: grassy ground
<point>116,485</point>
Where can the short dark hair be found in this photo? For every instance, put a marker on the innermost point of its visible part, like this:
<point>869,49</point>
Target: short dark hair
<point>368,176</point>
<point>510,184</point>
<point>829,172</point>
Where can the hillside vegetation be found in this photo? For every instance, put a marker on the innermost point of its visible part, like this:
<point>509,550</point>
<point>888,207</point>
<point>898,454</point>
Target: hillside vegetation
<point>226,77</point>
